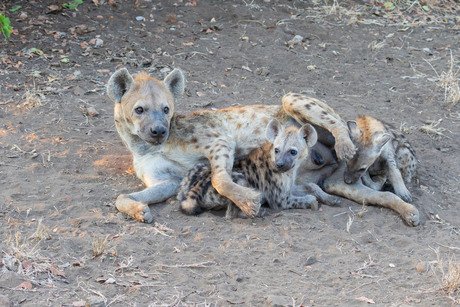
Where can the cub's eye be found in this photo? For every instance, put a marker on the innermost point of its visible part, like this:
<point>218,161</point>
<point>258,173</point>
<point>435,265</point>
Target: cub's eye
<point>277,150</point>
<point>166,110</point>
<point>293,152</point>
<point>362,169</point>
<point>139,110</point>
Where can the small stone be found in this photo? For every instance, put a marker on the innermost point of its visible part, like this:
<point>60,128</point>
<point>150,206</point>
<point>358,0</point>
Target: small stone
<point>97,42</point>
<point>23,16</point>
<point>239,278</point>
<point>92,112</point>
<point>311,260</point>
<point>421,267</point>
<point>140,18</point>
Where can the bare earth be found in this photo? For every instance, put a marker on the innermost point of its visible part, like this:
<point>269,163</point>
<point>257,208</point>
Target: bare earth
<point>61,167</point>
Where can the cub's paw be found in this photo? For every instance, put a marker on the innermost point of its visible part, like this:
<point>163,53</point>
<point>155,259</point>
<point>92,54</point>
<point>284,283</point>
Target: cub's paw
<point>136,209</point>
<point>331,200</point>
<point>404,194</point>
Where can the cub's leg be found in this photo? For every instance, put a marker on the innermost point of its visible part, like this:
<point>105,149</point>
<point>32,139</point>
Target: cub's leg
<point>307,109</point>
<point>362,194</point>
<point>376,184</point>
<point>323,197</point>
<point>301,202</point>
<point>396,180</point>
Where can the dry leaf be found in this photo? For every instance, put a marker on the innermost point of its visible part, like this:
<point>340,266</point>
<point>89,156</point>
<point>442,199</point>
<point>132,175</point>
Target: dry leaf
<point>55,271</point>
<point>172,19</point>
<point>365,299</point>
<point>25,285</point>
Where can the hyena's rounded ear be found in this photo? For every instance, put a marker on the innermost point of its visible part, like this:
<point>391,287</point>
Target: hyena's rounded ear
<point>175,83</point>
<point>355,133</point>
<point>119,83</point>
<point>273,130</point>
<point>381,140</point>
<point>308,133</point>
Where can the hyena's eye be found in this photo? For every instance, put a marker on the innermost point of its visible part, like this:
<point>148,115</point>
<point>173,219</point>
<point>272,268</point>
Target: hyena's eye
<point>293,152</point>
<point>166,110</point>
<point>139,110</point>
<point>362,169</point>
<point>277,150</point>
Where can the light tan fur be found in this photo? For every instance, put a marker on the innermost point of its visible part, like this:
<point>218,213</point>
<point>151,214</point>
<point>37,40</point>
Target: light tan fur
<point>161,159</point>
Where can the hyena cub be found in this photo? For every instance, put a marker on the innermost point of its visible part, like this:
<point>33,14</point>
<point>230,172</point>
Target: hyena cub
<point>270,169</point>
<point>382,153</point>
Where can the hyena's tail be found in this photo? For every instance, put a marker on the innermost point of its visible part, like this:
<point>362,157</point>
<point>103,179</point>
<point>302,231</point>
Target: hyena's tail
<point>190,187</point>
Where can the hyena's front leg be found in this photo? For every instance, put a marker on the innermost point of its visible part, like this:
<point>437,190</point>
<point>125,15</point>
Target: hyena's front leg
<point>301,202</point>
<point>306,109</point>
<point>362,194</point>
<point>221,156</point>
<point>136,204</point>
<point>374,184</point>
<point>396,180</point>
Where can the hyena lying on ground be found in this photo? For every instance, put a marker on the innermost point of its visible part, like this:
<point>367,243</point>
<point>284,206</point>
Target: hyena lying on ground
<point>165,145</point>
<point>270,169</point>
<point>382,152</point>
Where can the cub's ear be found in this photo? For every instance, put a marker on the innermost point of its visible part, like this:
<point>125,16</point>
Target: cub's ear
<point>381,140</point>
<point>355,133</point>
<point>273,130</point>
<point>308,133</point>
<point>175,83</point>
<point>119,83</point>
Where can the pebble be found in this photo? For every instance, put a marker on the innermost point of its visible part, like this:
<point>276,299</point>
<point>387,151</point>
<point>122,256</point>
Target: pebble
<point>278,301</point>
<point>140,18</point>
<point>92,112</point>
<point>311,260</point>
<point>421,267</point>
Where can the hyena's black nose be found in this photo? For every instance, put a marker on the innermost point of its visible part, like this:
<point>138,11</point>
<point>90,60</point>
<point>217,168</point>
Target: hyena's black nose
<point>279,164</point>
<point>158,131</point>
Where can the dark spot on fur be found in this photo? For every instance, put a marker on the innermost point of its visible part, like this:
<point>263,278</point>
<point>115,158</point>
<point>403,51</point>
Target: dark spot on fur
<point>296,95</point>
<point>216,157</point>
<point>332,122</point>
<point>324,112</point>
<point>207,147</point>
<point>194,140</point>
<point>226,156</point>
<point>308,106</point>
<point>238,125</point>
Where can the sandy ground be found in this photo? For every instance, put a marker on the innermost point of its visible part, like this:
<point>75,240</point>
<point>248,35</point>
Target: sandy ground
<point>63,243</point>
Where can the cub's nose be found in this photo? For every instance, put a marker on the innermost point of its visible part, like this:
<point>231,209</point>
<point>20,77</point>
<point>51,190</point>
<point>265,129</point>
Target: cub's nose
<point>158,131</point>
<point>279,164</point>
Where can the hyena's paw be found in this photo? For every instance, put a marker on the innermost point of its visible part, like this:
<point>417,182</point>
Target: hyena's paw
<point>331,200</point>
<point>251,204</point>
<point>136,209</point>
<point>404,194</point>
<point>344,148</point>
<point>412,217</point>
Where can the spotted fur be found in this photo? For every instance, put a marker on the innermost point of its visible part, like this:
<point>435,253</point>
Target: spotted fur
<point>270,169</point>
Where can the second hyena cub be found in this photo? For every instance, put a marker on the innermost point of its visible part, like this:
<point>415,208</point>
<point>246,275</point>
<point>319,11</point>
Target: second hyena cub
<point>382,152</point>
<point>271,169</point>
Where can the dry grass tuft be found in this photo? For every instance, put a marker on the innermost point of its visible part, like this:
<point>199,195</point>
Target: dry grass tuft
<point>432,129</point>
<point>99,246</point>
<point>450,276</point>
<point>31,96</point>
<point>449,81</point>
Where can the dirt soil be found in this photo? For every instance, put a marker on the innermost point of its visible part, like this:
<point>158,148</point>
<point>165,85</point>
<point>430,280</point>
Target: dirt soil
<point>62,164</point>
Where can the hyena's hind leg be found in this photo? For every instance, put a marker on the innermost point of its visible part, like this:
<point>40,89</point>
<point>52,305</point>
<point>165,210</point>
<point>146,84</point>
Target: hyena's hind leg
<point>306,109</point>
<point>406,162</point>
